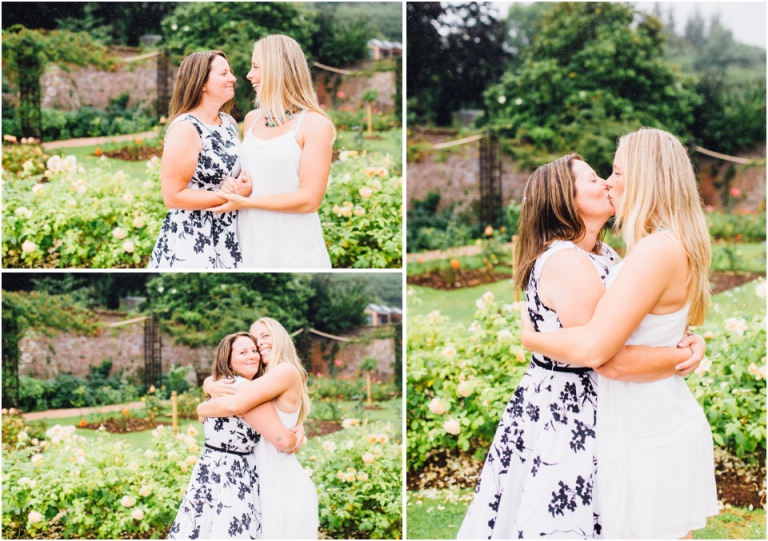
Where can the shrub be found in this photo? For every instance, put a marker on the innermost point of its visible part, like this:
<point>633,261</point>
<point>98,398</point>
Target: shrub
<point>67,391</point>
<point>737,227</point>
<point>14,424</point>
<point>432,229</point>
<point>24,160</point>
<point>62,486</point>
<point>359,483</point>
<point>80,219</point>
<point>324,388</point>
<point>461,373</point>
<point>357,118</point>
<point>362,211</point>
<point>188,402</point>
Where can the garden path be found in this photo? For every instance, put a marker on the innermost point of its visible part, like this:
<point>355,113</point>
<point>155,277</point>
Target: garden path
<point>74,412</point>
<point>472,249</point>
<point>87,141</point>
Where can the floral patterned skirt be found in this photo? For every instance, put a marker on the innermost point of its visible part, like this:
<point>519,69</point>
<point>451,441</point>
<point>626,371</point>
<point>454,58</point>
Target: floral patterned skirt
<point>222,499</point>
<point>539,474</point>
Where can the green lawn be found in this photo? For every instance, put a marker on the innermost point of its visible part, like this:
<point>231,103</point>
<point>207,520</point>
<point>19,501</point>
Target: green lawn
<point>390,411</point>
<point>85,157</point>
<point>437,514</point>
<point>746,256</point>
<point>391,142</point>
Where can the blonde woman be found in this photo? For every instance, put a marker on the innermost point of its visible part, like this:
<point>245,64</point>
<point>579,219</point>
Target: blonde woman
<point>654,445</point>
<point>201,150</point>
<point>288,496</point>
<point>286,151</point>
<point>216,504</point>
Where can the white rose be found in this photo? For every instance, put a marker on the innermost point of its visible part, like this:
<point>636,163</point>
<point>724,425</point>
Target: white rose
<point>487,296</point>
<point>329,446</point>
<point>449,352</point>
<point>138,514</point>
<point>119,233</point>
<point>504,335</point>
<point>128,247</point>
<point>464,389</point>
<point>128,197</point>
<point>437,407</point>
<point>145,491</point>
<point>127,501</point>
<point>368,458</point>
<point>452,427</point>
<point>480,304</point>
<point>34,517</point>
<point>138,222</point>
<point>365,192</point>
<point>133,466</point>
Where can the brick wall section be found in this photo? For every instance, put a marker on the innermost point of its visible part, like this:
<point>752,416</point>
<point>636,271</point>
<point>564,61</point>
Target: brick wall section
<point>45,357</point>
<point>352,354</point>
<point>750,181</point>
<point>456,173</point>
<point>95,88</point>
<point>353,88</point>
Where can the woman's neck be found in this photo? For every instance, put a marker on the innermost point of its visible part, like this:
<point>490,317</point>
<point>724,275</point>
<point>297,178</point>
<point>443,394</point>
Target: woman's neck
<point>207,112</point>
<point>592,231</point>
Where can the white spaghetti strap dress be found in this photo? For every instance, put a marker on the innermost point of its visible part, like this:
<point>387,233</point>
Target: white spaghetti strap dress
<point>270,239</point>
<point>288,496</point>
<point>656,472</point>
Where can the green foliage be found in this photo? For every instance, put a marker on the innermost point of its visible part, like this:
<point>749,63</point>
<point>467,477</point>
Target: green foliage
<point>594,72</point>
<point>188,402</point>
<point>26,54</point>
<point>201,309</point>
<point>454,52</point>
<point>362,211</point>
<point>432,229</point>
<point>324,389</point>
<point>339,41</point>
<point>350,118</point>
<point>141,489</point>
<point>370,95</point>
<point>737,227</point>
<point>70,218</point>
<point>458,373</point>
<point>24,161</point>
<point>732,388</point>
<point>14,424</point>
<point>67,391</point>
<point>339,305</point>
<point>368,364</point>
<point>359,483</point>
<point>176,381</point>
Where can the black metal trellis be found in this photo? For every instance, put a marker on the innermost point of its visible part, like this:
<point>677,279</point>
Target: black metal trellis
<point>163,86</point>
<point>153,348</point>
<point>491,209</point>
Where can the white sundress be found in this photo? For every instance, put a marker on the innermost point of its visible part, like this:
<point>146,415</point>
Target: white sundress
<point>288,495</point>
<point>654,447</point>
<point>538,478</point>
<point>271,239</point>
<point>197,239</point>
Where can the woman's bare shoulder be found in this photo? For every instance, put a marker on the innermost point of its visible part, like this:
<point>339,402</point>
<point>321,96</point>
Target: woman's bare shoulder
<point>317,120</point>
<point>182,134</point>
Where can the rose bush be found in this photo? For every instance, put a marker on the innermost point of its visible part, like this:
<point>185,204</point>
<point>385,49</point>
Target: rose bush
<point>70,217</point>
<point>460,377</point>
<point>362,211</point>
<point>57,214</point>
<point>62,486</point>
<point>359,482</point>
<point>325,388</point>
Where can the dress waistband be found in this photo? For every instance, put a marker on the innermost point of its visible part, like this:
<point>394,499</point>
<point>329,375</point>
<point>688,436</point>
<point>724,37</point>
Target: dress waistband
<point>228,451</point>
<point>557,368</point>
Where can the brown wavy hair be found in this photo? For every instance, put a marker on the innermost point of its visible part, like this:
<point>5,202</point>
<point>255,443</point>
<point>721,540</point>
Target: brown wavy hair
<point>222,367</point>
<point>192,76</point>
<point>548,214</point>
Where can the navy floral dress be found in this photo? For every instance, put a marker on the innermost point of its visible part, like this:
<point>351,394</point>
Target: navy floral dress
<point>196,239</point>
<point>540,471</point>
<point>222,500</point>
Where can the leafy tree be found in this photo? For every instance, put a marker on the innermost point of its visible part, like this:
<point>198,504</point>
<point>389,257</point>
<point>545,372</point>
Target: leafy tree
<point>234,27</point>
<point>384,18</point>
<point>454,53</point>
<point>594,72</point>
<point>27,53</point>
<point>339,41</point>
<point>337,304</point>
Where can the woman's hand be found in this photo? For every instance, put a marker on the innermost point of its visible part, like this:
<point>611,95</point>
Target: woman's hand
<point>234,202</point>
<point>242,185</point>
<point>301,439</point>
<point>526,326</point>
<point>222,387</point>
<point>698,347</point>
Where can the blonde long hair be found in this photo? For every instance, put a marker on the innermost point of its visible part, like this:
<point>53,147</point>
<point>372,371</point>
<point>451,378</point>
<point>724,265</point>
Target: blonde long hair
<point>661,192</point>
<point>285,78</point>
<point>283,351</point>
<point>190,80</point>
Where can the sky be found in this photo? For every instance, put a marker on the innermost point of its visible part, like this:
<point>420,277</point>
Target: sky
<point>747,20</point>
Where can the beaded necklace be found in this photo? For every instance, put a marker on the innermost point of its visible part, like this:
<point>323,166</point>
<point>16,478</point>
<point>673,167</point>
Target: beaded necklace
<point>269,122</point>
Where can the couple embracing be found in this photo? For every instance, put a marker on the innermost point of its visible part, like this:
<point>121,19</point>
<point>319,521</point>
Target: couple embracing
<point>248,484</point>
<point>602,437</point>
<point>250,204</point>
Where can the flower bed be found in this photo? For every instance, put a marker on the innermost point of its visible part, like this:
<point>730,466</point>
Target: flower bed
<point>57,214</point>
<point>67,217</point>
<point>460,377</point>
<point>359,482</point>
<point>362,211</point>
